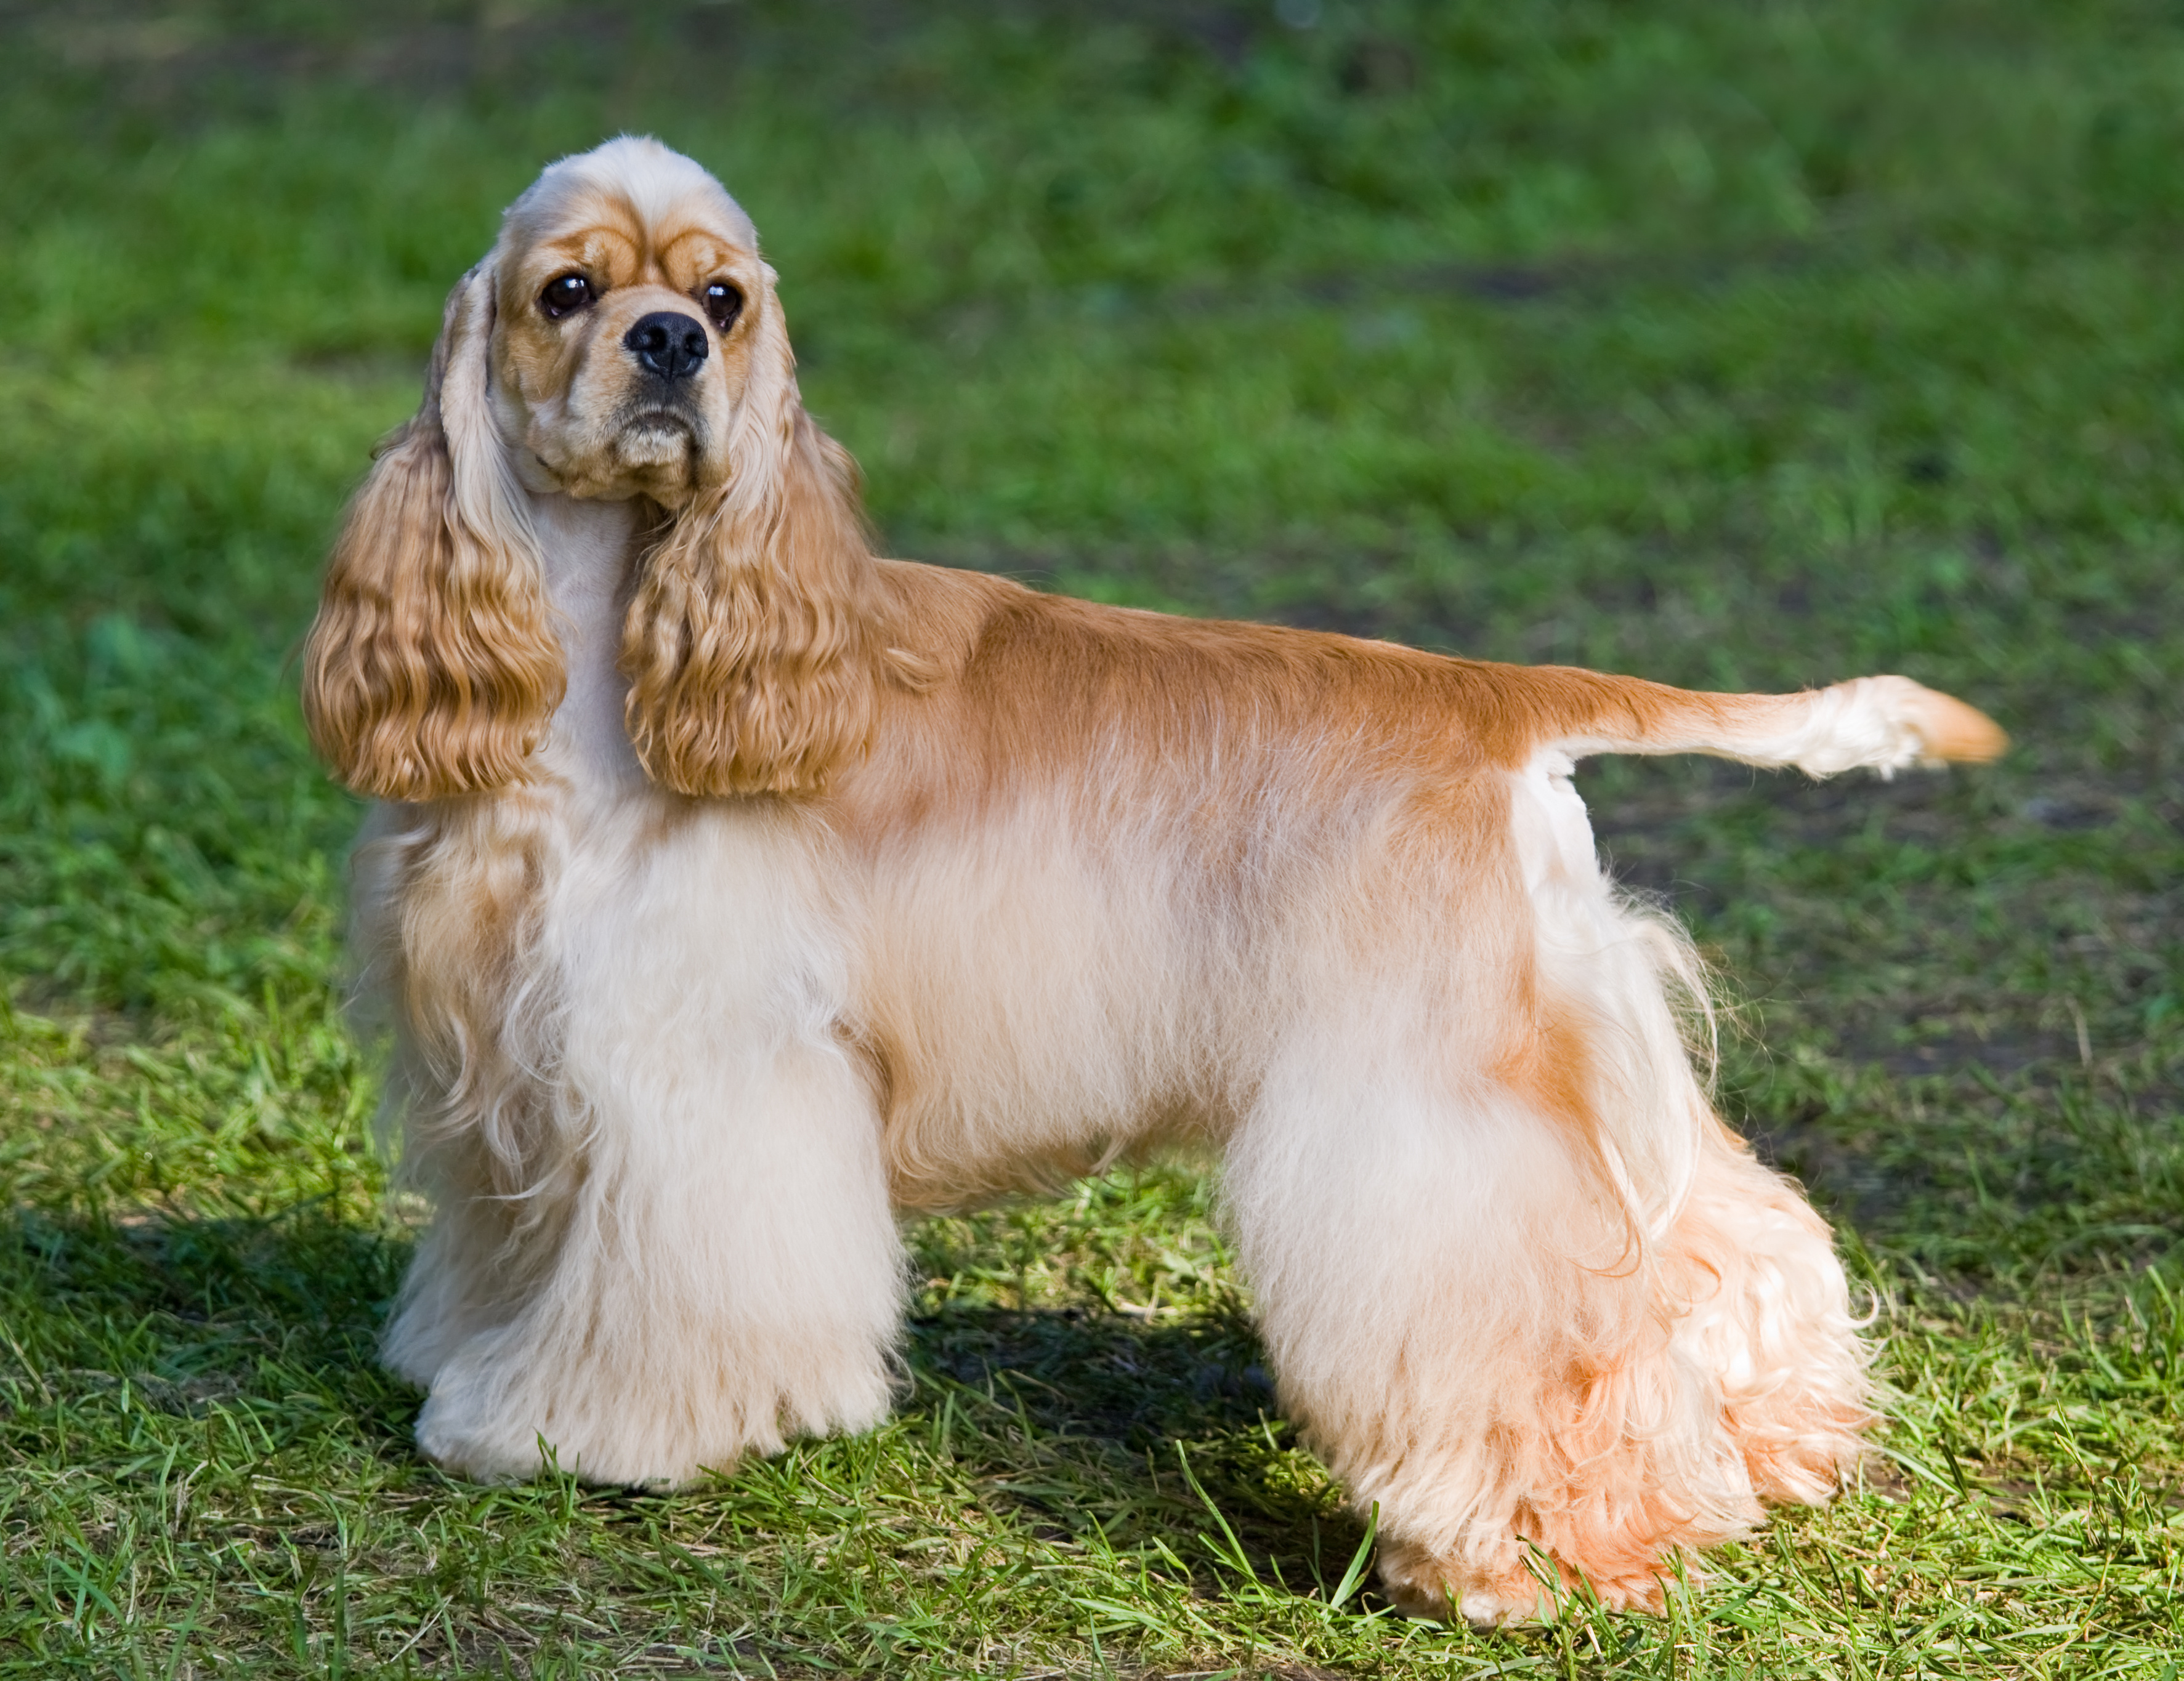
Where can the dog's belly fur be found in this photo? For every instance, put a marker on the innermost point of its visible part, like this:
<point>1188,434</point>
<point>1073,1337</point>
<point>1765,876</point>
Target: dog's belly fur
<point>1026,1025</point>
<point>1071,988</point>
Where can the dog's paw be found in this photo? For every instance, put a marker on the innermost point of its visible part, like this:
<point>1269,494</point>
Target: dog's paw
<point>1502,1594</point>
<point>505,1408</point>
<point>458,1439</point>
<point>482,1421</point>
<point>1518,1587</point>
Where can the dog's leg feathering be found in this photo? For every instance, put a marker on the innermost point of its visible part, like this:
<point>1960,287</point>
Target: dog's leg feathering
<point>726,1274</point>
<point>1522,1289</point>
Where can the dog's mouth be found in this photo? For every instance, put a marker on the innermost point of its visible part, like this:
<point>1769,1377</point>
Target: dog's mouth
<point>678,422</point>
<point>658,437</point>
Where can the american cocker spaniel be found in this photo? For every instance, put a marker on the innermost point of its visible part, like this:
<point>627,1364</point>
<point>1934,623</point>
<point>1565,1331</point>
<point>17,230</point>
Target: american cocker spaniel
<point>739,892</point>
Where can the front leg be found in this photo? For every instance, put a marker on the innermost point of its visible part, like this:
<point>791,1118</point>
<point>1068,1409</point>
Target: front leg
<point>729,1275</point>
<point>726,1273</point>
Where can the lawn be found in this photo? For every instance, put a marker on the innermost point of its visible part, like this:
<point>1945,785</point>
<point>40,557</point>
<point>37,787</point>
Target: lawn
<point>1746,345</point>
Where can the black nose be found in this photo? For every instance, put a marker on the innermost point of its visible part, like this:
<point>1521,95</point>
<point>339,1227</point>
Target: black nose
<point>670,345</point>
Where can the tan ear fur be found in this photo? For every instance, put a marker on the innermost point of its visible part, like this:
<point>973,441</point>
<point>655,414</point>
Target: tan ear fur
<point>431,669</point>
<point>754,641</point>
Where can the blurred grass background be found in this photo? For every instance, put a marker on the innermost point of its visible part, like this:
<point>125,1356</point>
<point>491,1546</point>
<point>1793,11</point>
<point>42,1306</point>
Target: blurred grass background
<point>1741,346</point>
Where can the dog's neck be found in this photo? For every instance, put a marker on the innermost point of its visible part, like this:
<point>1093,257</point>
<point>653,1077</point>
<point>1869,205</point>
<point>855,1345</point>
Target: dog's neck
<point>588,549</point>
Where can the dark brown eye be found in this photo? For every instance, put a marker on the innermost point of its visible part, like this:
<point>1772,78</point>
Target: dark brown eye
<point>723,303</point>
<point>570,292</point>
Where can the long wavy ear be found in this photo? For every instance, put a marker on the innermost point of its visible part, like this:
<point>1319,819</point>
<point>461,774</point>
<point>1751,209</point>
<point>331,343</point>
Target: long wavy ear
<point>431,669</point>
<point>754,643</point>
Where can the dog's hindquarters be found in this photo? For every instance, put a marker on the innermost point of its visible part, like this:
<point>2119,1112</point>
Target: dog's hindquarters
<point>1521,1287</point>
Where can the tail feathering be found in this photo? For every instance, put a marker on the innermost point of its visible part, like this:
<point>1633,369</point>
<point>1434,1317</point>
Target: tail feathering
<point>1882,723</point>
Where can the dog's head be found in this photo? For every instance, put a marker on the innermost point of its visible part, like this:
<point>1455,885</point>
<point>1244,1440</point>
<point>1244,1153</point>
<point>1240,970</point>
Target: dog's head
<point>623,340</point>
<point>632,317</point>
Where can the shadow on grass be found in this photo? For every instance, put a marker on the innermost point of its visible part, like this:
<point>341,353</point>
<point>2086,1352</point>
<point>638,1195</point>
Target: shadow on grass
<point>1119,1378</point>
<point>280,1312</point>
<point>1064,1417</point>
<point>1160,1431</point>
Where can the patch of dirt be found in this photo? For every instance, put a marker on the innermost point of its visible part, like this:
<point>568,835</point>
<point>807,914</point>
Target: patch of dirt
<point>1958,1052</point>
<point>1848,1185</point>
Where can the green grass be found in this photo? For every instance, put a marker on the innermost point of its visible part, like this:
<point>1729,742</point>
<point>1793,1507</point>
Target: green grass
<point>1731,345</point>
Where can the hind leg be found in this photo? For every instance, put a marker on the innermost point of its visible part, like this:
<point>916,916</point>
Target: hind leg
<point>1467,1334</point>
<point>1745,1379</point>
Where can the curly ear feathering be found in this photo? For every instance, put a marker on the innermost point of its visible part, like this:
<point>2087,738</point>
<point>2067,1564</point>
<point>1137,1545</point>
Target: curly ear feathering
<point>431,670</point>
<point>749,645</point>
<point>738,892</point>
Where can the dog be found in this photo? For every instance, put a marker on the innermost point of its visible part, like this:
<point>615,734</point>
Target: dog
<point>739,893</point>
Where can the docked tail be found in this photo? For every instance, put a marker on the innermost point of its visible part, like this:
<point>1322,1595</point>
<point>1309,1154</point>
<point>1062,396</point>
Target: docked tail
<point>1883,722</point>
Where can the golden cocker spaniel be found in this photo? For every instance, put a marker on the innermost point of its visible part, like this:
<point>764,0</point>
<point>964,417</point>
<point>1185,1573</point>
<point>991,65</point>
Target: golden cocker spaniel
<point>739,892</point>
